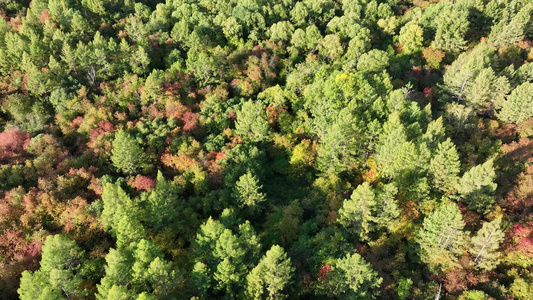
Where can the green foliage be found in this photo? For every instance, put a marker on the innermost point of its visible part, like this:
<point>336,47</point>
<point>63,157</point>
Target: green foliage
<point>356,213</point>
<point>486,244</point>
<point>116,205</point>
<point>251,122</point>
<point>476,187</point>
<point>518,105</point>
<point>471,79</point>
<point>369,210</point>
<point>521,289</point>
<point>452,24</point>
<point>445,166</point>
<point>248,191</point>
<point>271,275</point>
<point>473,295</point>
<point>358,119</point>
<point>229,256</point>
<point>404,288</point>
<point>373,61</point>
<point>411,38</point>
<point>336,152</point>
<point>281,31</point>
<point>441,238</point>
<point>393,151</point>
<point>127,155</point>
<point>511,29</point>
<point>353,278</point>
<point>330,47</point>
<point>58,277</point>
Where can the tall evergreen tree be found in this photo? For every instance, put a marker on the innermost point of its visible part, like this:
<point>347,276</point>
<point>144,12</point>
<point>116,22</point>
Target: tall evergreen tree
<point>248,191</point>
<point>464,70</point>
<point>452,24</point>
<point>116,205</point>
<point>476,188</point>
<point>511,29</point>
<point>353,278</point>
<point>485,245</point>
<point>368,210</point>
<point>58,277</point>
<point>441,238</point>
<point>271,276</point>
<point>251,122</point>
<point>338,148</point>
<point>356,213</point>
<point>127,155</point>
<point>444,167</point>
<point>519,104</point>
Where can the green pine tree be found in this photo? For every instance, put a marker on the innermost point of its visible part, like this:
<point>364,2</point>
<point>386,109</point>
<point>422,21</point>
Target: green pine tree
<point>441,238</point>
<point>506,33</point>
<point>251,122</point>
<point>444,167</point>
<point>248,191</point>
<point>485,245</point>
<point>58,276</point>
<point>270,277</point>
<point>356,213</point>
<point>353,278</point>
<point>127,155</point>
<point>452,24</point>
<point>476,188</point>
<point>519,104</point>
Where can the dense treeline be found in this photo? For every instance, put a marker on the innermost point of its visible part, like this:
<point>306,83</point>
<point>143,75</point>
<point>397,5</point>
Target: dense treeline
<point>253,149</point>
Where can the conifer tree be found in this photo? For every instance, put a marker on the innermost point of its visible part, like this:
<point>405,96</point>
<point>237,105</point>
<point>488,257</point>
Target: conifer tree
<point>248,191</point>
<point>486,90</point>
<point>200,279</point>
<point>485,245</point>
<point>452,24</point>
<point>127,155</point>
<point>251,122</point>
<point>507,32</point>
<point>116,205</point>
<point>338,148</point>
<point>434,134</point>
<point>392,144</point>
<point>129,232</point>
<point>386,210</point>
<point>117,275</point>
<point>271,275</point>
<point>356,213</point>
<point>58,277</point>
<point>519,104</point>
<point>476,188</point>
<point>163,203</point>
<point>444,167</point>
<point>353,278</point>
<point>140,61</point>
<point>441,238</point>
<point>471,79</point>
<point>368,210</point>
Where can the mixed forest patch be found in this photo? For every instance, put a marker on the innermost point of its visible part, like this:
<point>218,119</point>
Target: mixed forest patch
<point>254,149</point>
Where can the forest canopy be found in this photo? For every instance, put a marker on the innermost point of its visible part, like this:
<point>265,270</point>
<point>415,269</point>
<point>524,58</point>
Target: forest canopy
<point>254,149</point>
